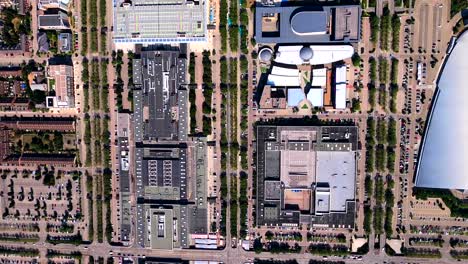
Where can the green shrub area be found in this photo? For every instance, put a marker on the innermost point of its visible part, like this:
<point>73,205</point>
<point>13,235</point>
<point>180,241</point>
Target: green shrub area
<point>193,110</point>
<point>421,252</point>
<point>327,249</point>
<point>407,3</point>
<point>373,70</point>
<point>223,192</point>
<point>19,251</point>
<point>457,6</point>
<point>389,203</point>
<point>394,72</point>
<point>379,190</point>
<point>19,237</point>
<point>385,23</point>
<point>367,219</point>
<point>72,255</point>
<point>14,25</point>
<point>380,161</point>
<point>378,220</point>
<point>372,91</point>
<point>243,204</point>
<point>89,190</point>
<point>244,22</point>
<point>394,85</point>
<point>233,27</point>
<point>421,241</point>
<point>73,239</point>
<point>393,98</point>
<point>102,12</point>
<point>107,193</point>
<point>370,143</point>
<point>383,70</point>
<point>234,206</point>
<point>117,62</point>
<point>368,185</point>
<point>356,59</point>
<point>191,68</point>
<point>396,24</point>
<point>374,24</point>
<point>391,133</point>
<point>458,208</point>
<point>282,247</point>
<point>459,254</point>
<point>207,93</point>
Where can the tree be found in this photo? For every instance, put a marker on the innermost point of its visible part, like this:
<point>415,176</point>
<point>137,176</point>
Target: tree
<point>356,59</point>
<point>49,179</point>
<point>258,246</point>
<point>269,235</point>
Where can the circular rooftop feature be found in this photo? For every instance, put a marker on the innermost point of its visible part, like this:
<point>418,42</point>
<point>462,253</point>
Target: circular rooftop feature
<point>305,53</point>
<point>266,54</point>
<point>309,23</point>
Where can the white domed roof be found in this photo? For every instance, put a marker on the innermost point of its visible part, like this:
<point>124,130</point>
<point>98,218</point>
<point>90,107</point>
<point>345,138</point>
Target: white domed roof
<point>306,53</point>
<point>266,54</point>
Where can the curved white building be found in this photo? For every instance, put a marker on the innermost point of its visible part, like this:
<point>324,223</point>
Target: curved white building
<point>313,55</point>
<point>443,162</point>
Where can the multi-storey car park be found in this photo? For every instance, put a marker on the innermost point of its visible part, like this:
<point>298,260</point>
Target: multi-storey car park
<point>170,168</point>
<point>306,175</point>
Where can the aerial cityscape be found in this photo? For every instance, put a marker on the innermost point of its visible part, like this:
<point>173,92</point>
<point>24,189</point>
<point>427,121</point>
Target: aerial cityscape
<point>233,131</point>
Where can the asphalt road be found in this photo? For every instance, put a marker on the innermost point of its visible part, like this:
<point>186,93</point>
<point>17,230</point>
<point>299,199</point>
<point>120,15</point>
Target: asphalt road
<point>228,255</point>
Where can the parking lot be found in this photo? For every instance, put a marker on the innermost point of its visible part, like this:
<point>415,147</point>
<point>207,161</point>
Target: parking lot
<point>43,194</point>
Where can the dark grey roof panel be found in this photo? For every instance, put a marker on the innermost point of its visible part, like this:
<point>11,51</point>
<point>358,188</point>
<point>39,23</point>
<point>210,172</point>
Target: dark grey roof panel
<point>309,22</point>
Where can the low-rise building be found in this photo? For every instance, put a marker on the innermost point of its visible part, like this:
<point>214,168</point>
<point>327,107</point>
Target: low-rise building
<point>4,143</point>
<point>43,124</point>
<point>340,87</point>
<point>11,84</point>
<point>124,157</point>
<point>14,104</point>
<point>57,21</point>
<point>307,23</point>
<point>53,4</point>
<point>56,160</point>
<point>65,42</point>
<point>42,42</point>
<point>60,78</point>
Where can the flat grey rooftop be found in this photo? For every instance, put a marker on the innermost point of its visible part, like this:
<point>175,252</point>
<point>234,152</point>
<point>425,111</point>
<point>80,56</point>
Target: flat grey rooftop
<point>58,20</point>
<point>153,21</point>
<point>161,103</point>
<point>337,171</point>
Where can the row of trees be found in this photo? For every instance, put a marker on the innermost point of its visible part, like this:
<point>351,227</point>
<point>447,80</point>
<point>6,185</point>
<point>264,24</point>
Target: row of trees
<point>383,27</point>
<point>207,93</point>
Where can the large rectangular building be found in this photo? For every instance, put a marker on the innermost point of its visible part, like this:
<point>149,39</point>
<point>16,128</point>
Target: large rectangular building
<point>170,168</point>
<point>160,79</point>
<point>306,175</point>
<point>154,21</point>
<point>307,24</point>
